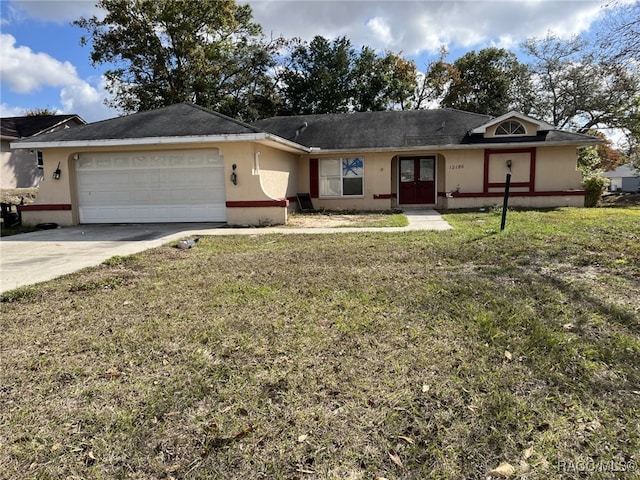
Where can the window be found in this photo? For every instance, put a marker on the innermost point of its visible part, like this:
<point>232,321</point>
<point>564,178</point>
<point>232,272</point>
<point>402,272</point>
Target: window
<point>510,127</point>
<point>39,160</point>
<point>341,177</point>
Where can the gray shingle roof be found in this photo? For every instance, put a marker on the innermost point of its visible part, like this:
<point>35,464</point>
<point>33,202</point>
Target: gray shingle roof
<point>344,131</point>
<point>179,120</point>
<point>386,129</point>
<point>20,127</point>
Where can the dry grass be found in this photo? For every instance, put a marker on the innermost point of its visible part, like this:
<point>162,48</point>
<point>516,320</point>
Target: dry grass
<point>15,195</point>
<point>347,356</point>
<point>338,219</point>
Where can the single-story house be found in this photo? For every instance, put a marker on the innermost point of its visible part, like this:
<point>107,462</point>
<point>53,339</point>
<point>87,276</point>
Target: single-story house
<point>625,178</point>
<point>185,163</point>
<point>23,168</point>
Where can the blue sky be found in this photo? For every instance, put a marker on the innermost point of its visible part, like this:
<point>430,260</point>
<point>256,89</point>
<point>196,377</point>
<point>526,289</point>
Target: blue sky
<point>43,65</point>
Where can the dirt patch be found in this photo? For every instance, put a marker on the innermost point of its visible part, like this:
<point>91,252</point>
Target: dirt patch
<point>615,199</point>
<point>322,220</point>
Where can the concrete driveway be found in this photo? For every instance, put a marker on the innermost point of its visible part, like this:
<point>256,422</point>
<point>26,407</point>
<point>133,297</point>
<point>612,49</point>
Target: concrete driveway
<point>40,256</point>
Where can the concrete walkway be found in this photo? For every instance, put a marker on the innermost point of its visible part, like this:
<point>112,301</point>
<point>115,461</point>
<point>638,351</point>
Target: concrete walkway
<point>35,257</point>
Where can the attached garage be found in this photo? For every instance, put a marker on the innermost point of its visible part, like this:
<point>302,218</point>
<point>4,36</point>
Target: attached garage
<point>151,186</point>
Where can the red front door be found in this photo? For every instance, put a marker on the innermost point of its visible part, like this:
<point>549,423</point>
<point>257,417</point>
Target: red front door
<point>417,180</point>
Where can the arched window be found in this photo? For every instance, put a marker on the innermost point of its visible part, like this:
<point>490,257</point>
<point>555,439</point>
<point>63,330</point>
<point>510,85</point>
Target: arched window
<point>510,127</point>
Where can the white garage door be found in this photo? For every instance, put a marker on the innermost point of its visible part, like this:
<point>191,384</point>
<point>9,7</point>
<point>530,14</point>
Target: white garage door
<point>146,187</point>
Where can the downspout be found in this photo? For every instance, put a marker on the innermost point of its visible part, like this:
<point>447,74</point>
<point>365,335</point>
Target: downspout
<point>256,164</point>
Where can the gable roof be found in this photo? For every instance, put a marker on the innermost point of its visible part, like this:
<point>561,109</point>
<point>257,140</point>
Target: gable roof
<point>625,171</point>
<point>513,114</point>
<point>27,126</point>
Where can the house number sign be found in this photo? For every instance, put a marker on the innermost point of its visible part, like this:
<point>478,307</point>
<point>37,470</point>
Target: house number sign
<point>456,167</point>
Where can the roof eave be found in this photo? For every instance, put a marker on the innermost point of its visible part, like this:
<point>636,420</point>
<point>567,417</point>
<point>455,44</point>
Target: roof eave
<point>61,122</point>
<point>284,144</point>
<point>133,142</point>
<point>469,146</point>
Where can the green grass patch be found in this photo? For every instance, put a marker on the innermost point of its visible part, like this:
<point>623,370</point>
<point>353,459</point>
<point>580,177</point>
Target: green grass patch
<point>395,355</point>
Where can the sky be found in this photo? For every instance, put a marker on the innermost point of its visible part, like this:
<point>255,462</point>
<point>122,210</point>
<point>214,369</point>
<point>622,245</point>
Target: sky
<point>43,65</point>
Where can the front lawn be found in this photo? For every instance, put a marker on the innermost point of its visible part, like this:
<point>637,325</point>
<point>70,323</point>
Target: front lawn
<point>413,355</point>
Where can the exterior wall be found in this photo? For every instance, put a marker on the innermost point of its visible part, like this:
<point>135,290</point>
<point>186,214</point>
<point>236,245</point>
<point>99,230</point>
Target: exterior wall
<point>516,201</point>
<point>551,180</point>
<point>55,200</point>
<point>463,171</point>
<point>543,173</point>
<point>18,168</point>
<point>378,185</point>
<point>266,178</point>
<point>557,169</point>
<point>630,184</point>
<point>258,197</point>
<point>257,216</point>
<point>616,184</point>
<point>278,172</point>
<point>530,127</point>
<point>35,217</point>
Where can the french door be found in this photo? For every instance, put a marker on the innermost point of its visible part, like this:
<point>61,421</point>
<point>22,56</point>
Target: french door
<point>417,180</point>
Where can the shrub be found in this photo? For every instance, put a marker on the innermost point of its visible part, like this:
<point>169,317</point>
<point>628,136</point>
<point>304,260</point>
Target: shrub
<point>595,186</point>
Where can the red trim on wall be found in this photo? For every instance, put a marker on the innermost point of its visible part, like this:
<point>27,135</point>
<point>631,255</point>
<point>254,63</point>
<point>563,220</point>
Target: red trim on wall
<point>516,194</point>
<point>532,168</point>
<point>385,196</point>
<point>513,184</point>
<point>258,203</point>
<point>44,207</point>
<point>485,178</point>
<point>314,178</point>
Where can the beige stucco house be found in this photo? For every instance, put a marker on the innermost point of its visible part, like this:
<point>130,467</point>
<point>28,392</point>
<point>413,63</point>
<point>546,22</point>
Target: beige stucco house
<point>23,168</point>
<point>184,163</point>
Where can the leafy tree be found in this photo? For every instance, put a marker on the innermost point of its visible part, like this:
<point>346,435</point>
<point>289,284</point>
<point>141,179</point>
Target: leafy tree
<point>317,78</point>
<point>620,37</point>
<point>434,83</point>
<point>491,81</point>
<point>370,79</point>
<point>161,52</point>
<point>381,82</point>
<point>599,158</point>
<point>39,112</point>
<point>402,81</point>
<point>329,76</point>
<point>576,90</point>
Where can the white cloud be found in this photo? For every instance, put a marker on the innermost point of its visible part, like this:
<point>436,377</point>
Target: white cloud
<point>10,111</point>
<point>380,29</point>
<point>56,11</point>
<point>416,27</point>
<point>87,100</point>
<point>26,71</point>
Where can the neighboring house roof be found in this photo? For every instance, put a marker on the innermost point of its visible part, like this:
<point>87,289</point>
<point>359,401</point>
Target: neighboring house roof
<point>623,171</point>
<point>27,126</point>
<point>179,123</point>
